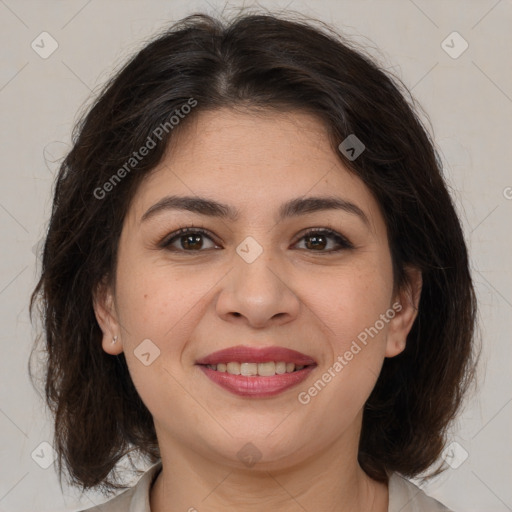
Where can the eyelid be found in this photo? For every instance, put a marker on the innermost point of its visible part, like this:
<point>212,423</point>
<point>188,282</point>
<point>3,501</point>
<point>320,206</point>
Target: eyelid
<point>326,230</point>
<point>329,232</point>
<point>183,231</point>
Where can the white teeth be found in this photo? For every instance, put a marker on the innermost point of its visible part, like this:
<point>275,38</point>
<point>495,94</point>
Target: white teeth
<point>281,368</point>
<point>233,368</point>
<point>267,369</point>
<point>248,369</point>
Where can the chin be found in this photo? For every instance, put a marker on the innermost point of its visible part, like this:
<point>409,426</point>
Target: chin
<point>261,452</point>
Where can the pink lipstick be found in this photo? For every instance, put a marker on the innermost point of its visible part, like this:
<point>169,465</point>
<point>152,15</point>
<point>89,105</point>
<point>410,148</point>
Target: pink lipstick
<point>257,372</point>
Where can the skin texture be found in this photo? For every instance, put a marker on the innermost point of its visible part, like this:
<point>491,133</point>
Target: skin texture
<point>190,304</point>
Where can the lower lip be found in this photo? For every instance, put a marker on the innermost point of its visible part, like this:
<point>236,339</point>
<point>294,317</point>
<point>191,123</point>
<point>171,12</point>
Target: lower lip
<point>256,386</point>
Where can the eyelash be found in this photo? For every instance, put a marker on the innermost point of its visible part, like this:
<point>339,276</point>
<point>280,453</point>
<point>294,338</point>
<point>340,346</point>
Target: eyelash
<point>341,240</point>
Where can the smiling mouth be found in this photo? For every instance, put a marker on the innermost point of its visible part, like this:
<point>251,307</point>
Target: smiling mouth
<point>266,369</point>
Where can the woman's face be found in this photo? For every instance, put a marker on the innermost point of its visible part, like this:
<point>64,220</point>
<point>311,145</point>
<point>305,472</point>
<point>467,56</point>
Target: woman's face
<point>258,280</point>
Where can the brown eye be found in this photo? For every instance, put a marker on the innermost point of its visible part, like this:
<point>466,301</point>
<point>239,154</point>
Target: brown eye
<point>192,240</point>
<point>188,240</point>
<point>318,240</point>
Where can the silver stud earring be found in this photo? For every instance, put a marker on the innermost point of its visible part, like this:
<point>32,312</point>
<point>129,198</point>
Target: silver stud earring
<point>114,340</point>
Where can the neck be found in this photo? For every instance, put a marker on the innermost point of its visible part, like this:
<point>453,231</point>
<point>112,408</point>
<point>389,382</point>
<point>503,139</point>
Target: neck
<point>331,481</point>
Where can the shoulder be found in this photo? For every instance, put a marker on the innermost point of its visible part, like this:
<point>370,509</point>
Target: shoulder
<point>134,499</point>
<point>404,496</point>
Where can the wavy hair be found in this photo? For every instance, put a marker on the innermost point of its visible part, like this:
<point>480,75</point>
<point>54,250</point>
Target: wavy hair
<point>254,61</point>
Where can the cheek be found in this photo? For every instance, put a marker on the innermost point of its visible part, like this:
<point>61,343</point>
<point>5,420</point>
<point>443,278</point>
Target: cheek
<point>161,303</point>
<point>357,311</point>
<point>156,312</point>
<point>356,300</point>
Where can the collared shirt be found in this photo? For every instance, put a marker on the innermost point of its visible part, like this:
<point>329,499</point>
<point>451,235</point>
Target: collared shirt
<point>404,496</point>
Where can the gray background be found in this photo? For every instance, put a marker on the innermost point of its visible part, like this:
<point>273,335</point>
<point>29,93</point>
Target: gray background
<point>468,100</point>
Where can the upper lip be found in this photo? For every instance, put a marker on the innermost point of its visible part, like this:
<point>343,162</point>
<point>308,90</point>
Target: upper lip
<point>246,354</point>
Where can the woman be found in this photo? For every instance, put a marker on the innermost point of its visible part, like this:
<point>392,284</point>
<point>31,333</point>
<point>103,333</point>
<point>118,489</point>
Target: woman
<point>254,276</point>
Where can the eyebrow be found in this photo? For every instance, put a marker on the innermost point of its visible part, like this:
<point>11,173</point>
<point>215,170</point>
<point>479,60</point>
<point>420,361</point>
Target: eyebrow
<point>292,208</point>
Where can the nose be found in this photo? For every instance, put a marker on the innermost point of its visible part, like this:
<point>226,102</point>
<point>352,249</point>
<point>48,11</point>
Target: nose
<point>258,293</point>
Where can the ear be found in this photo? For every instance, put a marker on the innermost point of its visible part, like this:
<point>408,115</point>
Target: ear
<point>104,309</point>
<point>405,305</point>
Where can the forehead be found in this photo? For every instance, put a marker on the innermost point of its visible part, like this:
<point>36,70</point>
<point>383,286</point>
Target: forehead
<point>255,161</point>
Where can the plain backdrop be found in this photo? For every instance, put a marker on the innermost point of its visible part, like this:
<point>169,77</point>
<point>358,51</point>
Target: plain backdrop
<point>467,93</point>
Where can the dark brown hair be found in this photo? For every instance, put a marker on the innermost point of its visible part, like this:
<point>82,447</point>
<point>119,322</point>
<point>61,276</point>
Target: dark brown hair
<point>256,61</point>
